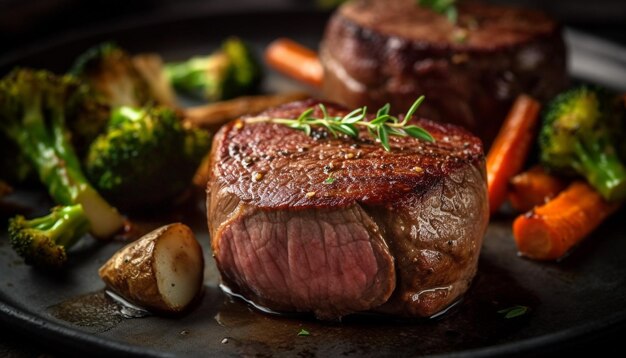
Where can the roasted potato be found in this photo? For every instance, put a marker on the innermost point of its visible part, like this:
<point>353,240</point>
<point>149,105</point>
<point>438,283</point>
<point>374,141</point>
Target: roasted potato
<point>162,271</point>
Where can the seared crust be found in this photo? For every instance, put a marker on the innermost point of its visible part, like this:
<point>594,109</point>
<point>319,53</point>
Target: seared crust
<point>275,166</point>
<point>435,239</point>
<point>488,28</point>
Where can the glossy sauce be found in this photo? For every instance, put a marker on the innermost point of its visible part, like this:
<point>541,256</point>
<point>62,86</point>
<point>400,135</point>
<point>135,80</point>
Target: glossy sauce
<point>472,322</point>
<point>95,311</point>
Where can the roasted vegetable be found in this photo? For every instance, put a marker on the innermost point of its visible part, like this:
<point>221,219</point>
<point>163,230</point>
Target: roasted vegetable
<point>578,136</point>
<point>44,241</point>
<point>295,61</point>
<point>161,271</point>
<point>551,230</point>
<point>145,157</point>
<point>231,71</point>
<point>32,114</point>
<point>87,115</point>
<point>150,67</point>
<point>212,116</point>
<point>110,71</point>
<point>533,187</point>
<point>509,150</point>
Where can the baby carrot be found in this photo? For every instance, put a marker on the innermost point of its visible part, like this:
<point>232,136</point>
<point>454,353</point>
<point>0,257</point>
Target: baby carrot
<point>295,61</point>
<point>551,230</point>
<point>510,149</point>
<point>532,188</point>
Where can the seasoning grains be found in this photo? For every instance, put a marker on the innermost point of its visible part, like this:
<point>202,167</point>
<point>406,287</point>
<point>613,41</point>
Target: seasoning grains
<point>256,176</point>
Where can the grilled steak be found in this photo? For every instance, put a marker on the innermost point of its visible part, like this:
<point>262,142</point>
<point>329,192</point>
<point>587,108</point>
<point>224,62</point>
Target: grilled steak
<point>380,51</point>
<point>397,232</point>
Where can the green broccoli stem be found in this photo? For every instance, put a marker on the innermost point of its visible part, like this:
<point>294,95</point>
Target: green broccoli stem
<point>602,168</point>
<point>105,219</point>
<point>65,225</point>
<point>59,169</point>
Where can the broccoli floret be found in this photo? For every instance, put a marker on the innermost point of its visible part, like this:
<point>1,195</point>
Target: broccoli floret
<point>577,138</point>
<point>87,116</point>
<point>43,241</point>
<point>147,156</point>
<point>32,115</point>
<point>231,71</point>
<point>110,71</point>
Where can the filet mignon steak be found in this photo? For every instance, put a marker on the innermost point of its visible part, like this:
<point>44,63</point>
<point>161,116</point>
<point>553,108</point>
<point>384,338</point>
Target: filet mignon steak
<point>396,232</point>
<point>379,51</point>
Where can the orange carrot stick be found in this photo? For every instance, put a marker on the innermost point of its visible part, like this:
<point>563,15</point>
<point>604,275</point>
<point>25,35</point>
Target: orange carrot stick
<point>510,149</point>
<point>532,188</point>
<point>550,231</point>
<point>295,61</point>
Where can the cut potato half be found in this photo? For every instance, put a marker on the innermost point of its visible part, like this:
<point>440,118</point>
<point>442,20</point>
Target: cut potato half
<point>161,271</point>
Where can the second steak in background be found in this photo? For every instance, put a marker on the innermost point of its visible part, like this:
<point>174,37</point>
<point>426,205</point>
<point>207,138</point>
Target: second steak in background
<point>381,51</point>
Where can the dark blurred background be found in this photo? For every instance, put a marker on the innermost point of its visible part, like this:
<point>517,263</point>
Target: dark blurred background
<point>25,24</point>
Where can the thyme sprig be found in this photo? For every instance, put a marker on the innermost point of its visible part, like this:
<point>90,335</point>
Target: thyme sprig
<point>514,311</point>
<point>380,127</point>
<point>446,7</point>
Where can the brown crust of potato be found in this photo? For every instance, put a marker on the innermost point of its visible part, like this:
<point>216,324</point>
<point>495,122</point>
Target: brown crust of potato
<point>131,271</point>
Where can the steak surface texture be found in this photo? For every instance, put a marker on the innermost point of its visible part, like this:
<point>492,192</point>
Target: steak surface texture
<point>335,226</point>
<point>379,51</point>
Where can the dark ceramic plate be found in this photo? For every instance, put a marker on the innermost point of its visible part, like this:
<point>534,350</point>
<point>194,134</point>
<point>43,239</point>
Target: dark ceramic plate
<point>581,296</point>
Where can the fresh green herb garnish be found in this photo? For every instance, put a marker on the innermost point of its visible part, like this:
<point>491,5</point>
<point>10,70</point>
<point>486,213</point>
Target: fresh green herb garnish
<point>460,36</point>
<point>446,7</point>
<point>514,311</point>
<point>304,333</point>
<point>330,179</point>
<point>380,127</point>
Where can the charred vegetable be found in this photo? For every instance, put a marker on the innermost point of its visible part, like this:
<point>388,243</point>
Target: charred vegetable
<point>87,115</point>
<point>295,61</point>
<point>44,241</point>
<point>110,71</point>
<point>553,229</point>
<point>161,271</point>
<point>123,80</point>
<point>510,148</point>
<point>33,115</point>
<point>145,157</point>
<point>229,72</point>
<point>579,137</point>
<point>150,67</point>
